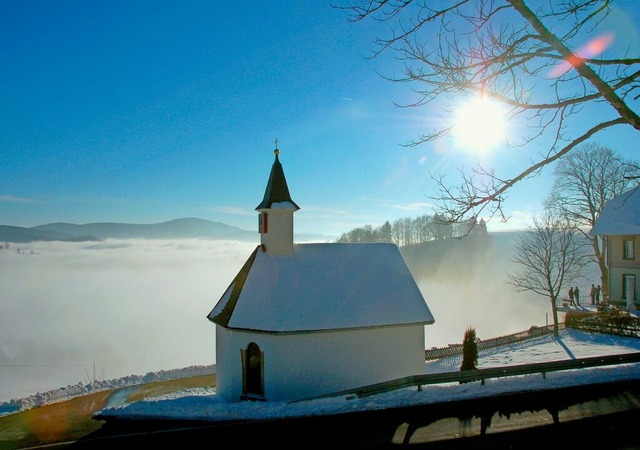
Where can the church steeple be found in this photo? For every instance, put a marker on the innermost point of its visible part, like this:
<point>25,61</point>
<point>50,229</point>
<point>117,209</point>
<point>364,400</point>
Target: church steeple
<point>275,223</point>
<point>277,190</point>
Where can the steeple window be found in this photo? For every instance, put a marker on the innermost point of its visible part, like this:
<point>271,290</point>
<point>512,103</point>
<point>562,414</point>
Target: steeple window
<point>263,223</point>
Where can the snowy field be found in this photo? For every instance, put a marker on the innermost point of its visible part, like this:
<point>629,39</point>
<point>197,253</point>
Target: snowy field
<point>203,404</point>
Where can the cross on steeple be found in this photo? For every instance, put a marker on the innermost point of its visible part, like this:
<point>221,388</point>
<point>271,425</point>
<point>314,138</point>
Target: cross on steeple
<point>276,151</point>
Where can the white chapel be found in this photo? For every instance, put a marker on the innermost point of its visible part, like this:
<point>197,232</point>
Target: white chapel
<point>301,320</point>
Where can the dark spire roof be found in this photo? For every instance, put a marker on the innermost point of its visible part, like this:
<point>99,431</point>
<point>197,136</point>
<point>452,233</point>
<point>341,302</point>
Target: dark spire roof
<point>277,190</point>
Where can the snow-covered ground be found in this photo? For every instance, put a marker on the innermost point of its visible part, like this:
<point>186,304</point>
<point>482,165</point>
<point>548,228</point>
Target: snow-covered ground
<point>204,404</point>
<point>75,390</point>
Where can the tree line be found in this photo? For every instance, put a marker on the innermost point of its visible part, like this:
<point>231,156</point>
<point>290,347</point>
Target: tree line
<point>407,231</point>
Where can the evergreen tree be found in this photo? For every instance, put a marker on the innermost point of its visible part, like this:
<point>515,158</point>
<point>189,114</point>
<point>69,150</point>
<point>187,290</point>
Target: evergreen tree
<point>469,350</point>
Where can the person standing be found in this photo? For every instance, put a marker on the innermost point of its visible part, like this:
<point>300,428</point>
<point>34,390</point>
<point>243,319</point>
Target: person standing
<point>576,295</point>
<point>571,295</point>
<point>592,293</point>
<point>598,295</point>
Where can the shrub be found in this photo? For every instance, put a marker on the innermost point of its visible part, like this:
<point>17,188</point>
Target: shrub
<point>469,350</point>
<point>609,319</point>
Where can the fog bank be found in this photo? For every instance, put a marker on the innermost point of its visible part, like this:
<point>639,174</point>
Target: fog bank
<point>74,312</point>
<point>464,282</point>
<point>79,311</point>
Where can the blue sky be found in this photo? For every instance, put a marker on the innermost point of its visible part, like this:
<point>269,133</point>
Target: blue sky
<point>146,111</point>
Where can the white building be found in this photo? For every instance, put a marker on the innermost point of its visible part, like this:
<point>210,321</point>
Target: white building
<point>301,320</point>
<point>618,225</point>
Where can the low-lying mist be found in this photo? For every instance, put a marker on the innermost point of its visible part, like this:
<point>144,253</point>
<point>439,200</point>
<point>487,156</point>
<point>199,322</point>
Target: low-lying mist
<point>74,312</point>
<point>464,282</point>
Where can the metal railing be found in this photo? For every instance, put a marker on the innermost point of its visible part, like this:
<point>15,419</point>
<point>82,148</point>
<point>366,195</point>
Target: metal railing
<point>465,376</point>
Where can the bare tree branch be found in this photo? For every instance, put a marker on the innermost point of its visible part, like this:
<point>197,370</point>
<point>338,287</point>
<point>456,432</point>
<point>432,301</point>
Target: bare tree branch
<point>524,54</point>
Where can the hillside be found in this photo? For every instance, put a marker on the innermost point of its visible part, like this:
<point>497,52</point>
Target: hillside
<point>42,425</point>
<point>474,253</point>
<point>173,229</point>
<point>82,389</point>
<point>187,228</point>
<point>23,235</point>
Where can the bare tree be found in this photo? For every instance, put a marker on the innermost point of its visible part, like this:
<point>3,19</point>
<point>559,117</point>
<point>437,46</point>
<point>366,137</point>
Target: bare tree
<point>584,181</point>
<point>423,228</point>
<point>443,228</point>
<point>402,231</point>
<point>528,55</point>
<point>550,253</point>
<point>365,233</point>
<point>384,232</point>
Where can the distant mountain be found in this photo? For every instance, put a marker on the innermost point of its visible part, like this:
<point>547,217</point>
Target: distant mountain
<point>173,229</point>
<point>22,235</point>
<point>190,228</point>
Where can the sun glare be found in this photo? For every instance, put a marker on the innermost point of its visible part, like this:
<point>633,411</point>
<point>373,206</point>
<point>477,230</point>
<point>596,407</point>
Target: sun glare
<point>593,48</point>
<point>480,126</point>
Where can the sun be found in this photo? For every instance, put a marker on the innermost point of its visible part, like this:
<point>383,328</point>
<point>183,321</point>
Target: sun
<point>480,126</point>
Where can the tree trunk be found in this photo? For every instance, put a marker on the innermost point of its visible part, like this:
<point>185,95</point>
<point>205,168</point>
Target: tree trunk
<point>554,313</point>
<point>602,264</point>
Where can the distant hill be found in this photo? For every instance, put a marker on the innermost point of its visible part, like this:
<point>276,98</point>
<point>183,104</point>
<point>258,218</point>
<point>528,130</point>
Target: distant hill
<point>173,229</point>
<point>473,253</point>
<point>22,235</point>
<point>188,228</point>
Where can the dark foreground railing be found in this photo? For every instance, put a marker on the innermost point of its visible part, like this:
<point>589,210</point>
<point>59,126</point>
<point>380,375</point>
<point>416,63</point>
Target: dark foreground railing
<point>465,376</point>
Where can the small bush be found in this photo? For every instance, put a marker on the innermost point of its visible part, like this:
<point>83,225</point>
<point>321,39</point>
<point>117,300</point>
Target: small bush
<point>573,318</point>
<point>609,319</point>
<point>469,350</point>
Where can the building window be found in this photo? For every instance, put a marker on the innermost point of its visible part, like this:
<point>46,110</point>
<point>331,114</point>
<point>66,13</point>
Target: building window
<point>263,223</point>
<point>628,286</point>
<point>628,249</point>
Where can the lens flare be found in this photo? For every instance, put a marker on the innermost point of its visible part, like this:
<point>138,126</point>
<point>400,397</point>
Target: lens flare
<point>593,48</point>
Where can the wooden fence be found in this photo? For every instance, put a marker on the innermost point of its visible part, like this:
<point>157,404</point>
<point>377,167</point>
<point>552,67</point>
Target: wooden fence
<point>456,349</point>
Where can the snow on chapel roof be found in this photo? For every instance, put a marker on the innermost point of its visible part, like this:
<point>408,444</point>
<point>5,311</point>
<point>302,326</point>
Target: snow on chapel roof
<point>620,215</point>
<point>319,287</point>
<point>323,287</point>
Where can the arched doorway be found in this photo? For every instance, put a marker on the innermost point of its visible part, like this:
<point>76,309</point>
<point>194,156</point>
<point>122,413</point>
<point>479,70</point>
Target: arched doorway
<point>252,373</point>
